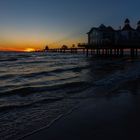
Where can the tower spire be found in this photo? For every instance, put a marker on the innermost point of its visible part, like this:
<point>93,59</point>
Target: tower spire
<point>127,22</point>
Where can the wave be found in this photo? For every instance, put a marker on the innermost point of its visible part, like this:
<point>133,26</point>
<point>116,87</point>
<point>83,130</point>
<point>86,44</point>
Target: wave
<point>28,104</point>
<point>25,91</point>
<point>43,73</point>
<point>8,59</point>
<point>30,75</point>
<point>74,69</point>
<point>7,76</point>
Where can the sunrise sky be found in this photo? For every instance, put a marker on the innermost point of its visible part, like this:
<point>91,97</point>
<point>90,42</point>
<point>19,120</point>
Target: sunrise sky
<point>27,24</point>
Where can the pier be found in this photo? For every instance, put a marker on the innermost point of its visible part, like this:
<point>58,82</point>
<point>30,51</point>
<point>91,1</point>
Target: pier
<point>89,50</point>
<point>106,41</point>
<point>115,50</point>
<point>68,50</point>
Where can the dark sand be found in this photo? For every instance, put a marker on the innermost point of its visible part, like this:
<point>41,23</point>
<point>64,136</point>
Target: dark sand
<point>113,117</point>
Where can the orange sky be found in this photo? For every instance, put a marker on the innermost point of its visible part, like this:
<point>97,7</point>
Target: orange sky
<point>19,41</point>
<point>17,46</point>
<point>16,37</point>
<point>31,44</point>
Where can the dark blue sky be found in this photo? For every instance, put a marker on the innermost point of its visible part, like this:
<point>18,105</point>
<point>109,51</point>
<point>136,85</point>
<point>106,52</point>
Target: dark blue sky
<point>47,21</point>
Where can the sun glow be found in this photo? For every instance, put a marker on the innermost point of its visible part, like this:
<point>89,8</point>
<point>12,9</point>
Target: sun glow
<point>29,50</point>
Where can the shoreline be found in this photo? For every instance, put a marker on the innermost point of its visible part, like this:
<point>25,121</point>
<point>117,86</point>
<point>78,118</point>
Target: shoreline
<point>109,117</point>
<point>50,124</point>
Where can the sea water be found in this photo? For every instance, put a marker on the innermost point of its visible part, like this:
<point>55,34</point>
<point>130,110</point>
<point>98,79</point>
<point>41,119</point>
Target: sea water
<point>38,88</point>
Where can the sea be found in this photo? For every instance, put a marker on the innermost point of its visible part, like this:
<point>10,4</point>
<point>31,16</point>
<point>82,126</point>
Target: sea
<point>37,89</point>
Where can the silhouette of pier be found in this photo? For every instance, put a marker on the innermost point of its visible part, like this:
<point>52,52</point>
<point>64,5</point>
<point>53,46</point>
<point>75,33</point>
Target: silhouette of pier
<point>89,50</point>
<point>119,50</point>
<point>68,50</point>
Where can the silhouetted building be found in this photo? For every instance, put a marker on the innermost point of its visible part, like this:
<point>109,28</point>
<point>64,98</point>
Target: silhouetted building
<point>127,32</point>
<point>46,48</point>
<point>138,30</point>
<point>103,36</point>
<point>138,26</point>
<point>64,47</point>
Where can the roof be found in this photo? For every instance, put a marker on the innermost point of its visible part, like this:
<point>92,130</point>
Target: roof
<point>102,28</point>
<point>138,22</point>
<point>94,28</point>
<point>127,28</point>
<point>127,21</point>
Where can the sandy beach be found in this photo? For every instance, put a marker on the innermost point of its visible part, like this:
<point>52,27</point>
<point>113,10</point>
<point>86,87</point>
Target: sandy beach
<point>115,116</point>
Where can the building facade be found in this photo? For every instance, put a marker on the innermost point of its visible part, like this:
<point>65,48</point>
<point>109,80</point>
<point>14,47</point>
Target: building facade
<point>105,36</point>
<point>101,36</point>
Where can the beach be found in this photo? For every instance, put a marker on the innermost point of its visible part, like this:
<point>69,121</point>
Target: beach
<point>115,116</point>
<point>60,96</point>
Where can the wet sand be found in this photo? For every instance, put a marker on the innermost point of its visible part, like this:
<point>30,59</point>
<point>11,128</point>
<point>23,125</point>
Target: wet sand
<point>114,116</point>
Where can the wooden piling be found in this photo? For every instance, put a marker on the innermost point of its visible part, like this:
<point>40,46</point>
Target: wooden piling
<point>87,52</point>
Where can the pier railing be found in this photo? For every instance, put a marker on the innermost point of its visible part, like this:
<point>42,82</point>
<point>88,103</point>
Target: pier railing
<point>104,50</point>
